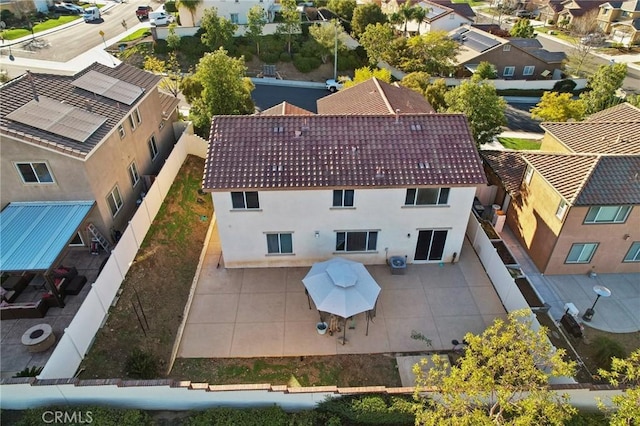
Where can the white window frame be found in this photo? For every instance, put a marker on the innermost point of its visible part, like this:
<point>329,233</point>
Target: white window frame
<point>621,209</point>
<point>561,210</point>
<point>416,197</point>
<point>234,17</point>
<point>512,70</point>
<point>588,246</point>
<point>121,131</point>
<point>132,123</point>
<point>32,164</point>
<point>153,147</point>
<point>528,174</point>
<point>529,70</point>
<point>138,117</point>
<point>279,235</point>
<point>79,235</point>
<point>133,174</point>
<point>245,200</point>
<point>506,48</point>
<point>111,196</point>
<point>343,196</point>
<point>633,254</point>
<point>368,238</point>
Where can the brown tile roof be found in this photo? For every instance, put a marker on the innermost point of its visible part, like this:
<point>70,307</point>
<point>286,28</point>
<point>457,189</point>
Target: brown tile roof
<point>323,151</point>
<point>462,9</point>
<point>508,166</point>
<point>19,91</point>
<point>598,137</point>
<point>168,104</point>
<point>566,173</point>
<point>621,112</point>
<point>374,97</point>
<point>615,181</point>
<point>285,108</point>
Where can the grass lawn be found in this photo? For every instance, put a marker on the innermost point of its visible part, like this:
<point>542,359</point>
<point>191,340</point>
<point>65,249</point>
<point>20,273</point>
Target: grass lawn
<point>43,26</point>
<point>142,32</point>
<point>557,33</point>
<point>471,2</point>
<point>519,143</point>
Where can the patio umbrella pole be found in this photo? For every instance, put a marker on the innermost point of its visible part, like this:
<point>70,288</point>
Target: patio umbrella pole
<point>367,332</point>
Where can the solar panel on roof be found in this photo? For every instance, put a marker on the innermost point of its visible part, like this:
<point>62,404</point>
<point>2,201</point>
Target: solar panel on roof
<point>61,119</point>
<point>479,42</point>
<point>109,87</point>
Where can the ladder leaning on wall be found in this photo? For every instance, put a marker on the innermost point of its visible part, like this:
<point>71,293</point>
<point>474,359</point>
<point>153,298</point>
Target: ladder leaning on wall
<point>98,237</point>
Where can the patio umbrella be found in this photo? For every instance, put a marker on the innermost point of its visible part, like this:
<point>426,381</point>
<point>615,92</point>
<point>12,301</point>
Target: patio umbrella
<point>341,287</point>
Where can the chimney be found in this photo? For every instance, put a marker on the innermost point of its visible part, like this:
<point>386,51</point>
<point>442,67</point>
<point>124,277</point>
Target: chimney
<point>397,115</point>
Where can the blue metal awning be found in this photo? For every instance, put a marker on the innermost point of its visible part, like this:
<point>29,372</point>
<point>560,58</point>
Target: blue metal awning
<point>33,234</point>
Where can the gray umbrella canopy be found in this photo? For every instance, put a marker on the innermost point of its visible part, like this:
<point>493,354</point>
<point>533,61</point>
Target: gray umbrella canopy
<point>341,287</point>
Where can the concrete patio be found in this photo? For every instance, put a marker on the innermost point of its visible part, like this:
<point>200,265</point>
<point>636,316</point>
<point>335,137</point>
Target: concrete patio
<point>14,355</point>
<point>619,313</point>
<point>265,312</point>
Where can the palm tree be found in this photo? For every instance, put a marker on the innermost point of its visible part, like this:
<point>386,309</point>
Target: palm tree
<point>419,14</point>
<point>406,11</point>
<point>191,6</point>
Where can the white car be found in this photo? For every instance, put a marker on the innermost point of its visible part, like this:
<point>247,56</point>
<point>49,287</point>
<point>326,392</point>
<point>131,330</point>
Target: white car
<point>333,85</point>
<point>159,18</point>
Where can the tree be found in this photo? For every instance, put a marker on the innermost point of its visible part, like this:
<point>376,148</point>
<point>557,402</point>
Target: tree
<point>483,107</point>
<point>633,100</point>
<point>502,378</point>
<point>376,41</point>
<point>485,71</point>
<point>290,20</point>
<point>173,39</point>
<point>191,6</point>
<point>556,106</point>
<point>436,93</point>
<point>419,15</point>
<point>325,35</point>
<point>364,15</point>
<point>170,69</point>
<point>217,31</point>
<point>406,12</point>
<point>522,29</point>
<point>417,81</point>
<point>585,24</point>
<point>223,89</point>
<point>624,372</point>
<point>579,59</point>
<point>256,21</point>
<point>343,8</point>
<point>366,73</point>
<point>433,52</point>
<point>602,86</point>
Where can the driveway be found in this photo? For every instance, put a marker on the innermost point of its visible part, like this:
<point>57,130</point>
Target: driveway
<point>265,312</point>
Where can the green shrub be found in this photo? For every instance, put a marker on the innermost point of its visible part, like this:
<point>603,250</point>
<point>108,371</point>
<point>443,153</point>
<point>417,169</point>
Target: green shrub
<point>87,415</point>
<point>551,22</point>
<point>269,57</point>
<point>350,61</point>
<point>160,47</point>
<point>587,419</point>
<point>369,409</point>
<point>192,47</point>
<point>29,372</point>
<point>285,57</point>
<point>564,86</point>
<point>606,349</point>
<point>268,416</point>
<point>170,6</point>
<point>141,365</point>
<point>305,64</point>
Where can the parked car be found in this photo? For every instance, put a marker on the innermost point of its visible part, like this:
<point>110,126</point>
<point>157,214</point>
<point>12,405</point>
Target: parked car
<point>335,85</point>
<point>62,9</point>
<point>142,12</point>
<point>91,14</point>
<point>592,39</point>
<point>160,18</point>
<point>523,14</point>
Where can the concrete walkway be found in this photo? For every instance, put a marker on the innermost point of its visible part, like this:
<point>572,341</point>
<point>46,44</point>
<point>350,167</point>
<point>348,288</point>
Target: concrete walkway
<point>264,311</point>
<point>619,313</point>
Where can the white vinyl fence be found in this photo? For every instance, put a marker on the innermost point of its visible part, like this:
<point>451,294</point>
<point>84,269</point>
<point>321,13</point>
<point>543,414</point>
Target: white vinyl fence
<point>78,337</point>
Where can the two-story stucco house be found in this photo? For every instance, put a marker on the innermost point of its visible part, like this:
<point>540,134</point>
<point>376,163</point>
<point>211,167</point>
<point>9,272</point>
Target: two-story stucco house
<point>513,58</point>
<point>441,15</point>
<point>575,206</point>
<point>296,189</point>
<point>621,19</point>
<point>90,136</point>
<point>236,11</point>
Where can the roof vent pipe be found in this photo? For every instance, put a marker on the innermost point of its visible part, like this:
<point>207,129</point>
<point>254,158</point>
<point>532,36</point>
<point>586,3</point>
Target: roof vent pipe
<point>397,115</point>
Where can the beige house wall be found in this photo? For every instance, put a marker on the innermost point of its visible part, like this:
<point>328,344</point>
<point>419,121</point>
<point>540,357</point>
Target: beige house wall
<point>514,58</point>
<point>613,244</point>
<point>551,144</point>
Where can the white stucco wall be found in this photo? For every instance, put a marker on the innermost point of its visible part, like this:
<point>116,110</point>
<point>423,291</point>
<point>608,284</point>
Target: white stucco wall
<point>224,9</point>
<point>302,213</point>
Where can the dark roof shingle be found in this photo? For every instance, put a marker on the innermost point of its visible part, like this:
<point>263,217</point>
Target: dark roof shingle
<point>323,151</point>
<point>508,166</point>
<point>614,181</point>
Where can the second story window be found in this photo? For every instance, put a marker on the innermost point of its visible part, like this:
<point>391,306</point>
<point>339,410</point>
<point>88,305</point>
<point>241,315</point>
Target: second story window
<point>245,200</point>
<point>633,255</point>
<point>153,148</point>
<point>508,71</point>
<point>133,174</point>
<point>562,208</point>
<point>121,131</point>
<point>528,174</point>
<point>115,201</point>
<point>234,18</point>
<point>426,196</point>
<point>607,214</point>
<point>35,172</point>
<point>528,70</point>
<point>343,198</point>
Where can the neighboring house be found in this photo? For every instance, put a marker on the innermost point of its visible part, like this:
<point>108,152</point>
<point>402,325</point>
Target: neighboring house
<point>548,10</point>
<point>21,8</point>
<point>236,11</point>
<point>296,189</point>
<point>441,15</point>
<point>285,108</point>
<point>374,97</point>
<point>575,205</point>
<point>621,19</point>
<point>91,136</point>
<point>573,10</point>
<point>514,58</point>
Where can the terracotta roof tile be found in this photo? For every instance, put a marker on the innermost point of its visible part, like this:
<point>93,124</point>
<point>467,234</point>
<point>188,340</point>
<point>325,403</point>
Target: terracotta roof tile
<point>320,151</point>
<point>19,91</point>
<point>615,181</point>
<point>285,108</point>
<point>620,112</point>
<point>598,137</point>
<point>508,166</point>
<point>374,97</point>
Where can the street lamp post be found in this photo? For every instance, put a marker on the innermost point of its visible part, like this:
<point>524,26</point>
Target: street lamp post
<point>335,53</point>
